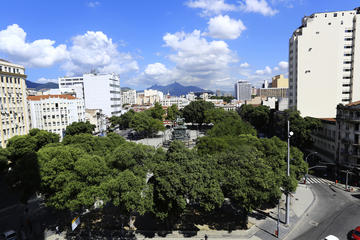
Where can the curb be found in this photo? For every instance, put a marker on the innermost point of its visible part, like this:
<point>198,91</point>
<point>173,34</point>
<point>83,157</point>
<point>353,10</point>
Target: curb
<point>302,215</point>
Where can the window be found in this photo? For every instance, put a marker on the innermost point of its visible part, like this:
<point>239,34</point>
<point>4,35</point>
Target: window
<point>348,39</point>
<point>347,62</point>
<point>325,15</point>
<point>335,14</point>
<point>348,31</point>
<point>347,46</point>
<point>329,23</point>
<point>348,54</point>
<point>317,32</point>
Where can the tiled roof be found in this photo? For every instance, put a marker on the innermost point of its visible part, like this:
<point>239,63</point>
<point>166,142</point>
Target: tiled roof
<point>328,119</point>
<point>353,104</point>
<point>40,97</point>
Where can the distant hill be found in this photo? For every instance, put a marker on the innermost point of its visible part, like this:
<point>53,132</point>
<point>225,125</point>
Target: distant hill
<point>38,86</point>
<point>176,89</point>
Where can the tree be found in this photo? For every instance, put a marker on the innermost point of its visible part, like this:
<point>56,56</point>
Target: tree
<point>4,158</point>
<point>302,128</point>
<point>217,115</point>
<point>157,112</point>
<point>195,111</point>
<point>123,122</point>
<point>172,112</point>
<point>231,127</point>
<point>79,127</point>
<point>258,116</point>
<point>143,124</point>
<point>71,178</point>
<point>184,181</point>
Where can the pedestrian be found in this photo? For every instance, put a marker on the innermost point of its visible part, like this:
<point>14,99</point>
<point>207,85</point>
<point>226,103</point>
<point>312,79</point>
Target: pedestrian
<point>206,237</point>
<point>57,231</point>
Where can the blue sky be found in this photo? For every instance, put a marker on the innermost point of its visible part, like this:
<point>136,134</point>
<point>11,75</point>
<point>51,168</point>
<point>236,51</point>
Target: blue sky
<point>207,43</point>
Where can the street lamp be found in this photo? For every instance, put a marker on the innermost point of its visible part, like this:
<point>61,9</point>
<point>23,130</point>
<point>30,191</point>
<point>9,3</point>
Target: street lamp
<point>290,134</point>
<point>306,160</point>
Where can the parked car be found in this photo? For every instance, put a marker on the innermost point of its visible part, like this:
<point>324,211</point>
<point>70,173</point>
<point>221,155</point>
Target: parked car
<point>355,234</point>
<point>9,235</point>
<point>331,237</point>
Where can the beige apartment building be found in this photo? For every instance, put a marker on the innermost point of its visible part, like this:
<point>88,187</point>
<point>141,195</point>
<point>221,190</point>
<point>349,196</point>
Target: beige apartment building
<point>324,63</point>
<point>14,117</point>
<point>279,81</point>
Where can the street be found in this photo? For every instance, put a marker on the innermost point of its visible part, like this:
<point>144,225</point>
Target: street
<point>334,212</point>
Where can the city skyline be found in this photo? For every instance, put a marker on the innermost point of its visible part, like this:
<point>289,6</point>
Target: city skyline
<point>206,43</point>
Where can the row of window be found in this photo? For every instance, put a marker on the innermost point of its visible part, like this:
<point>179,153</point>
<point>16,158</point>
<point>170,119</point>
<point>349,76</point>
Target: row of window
<point>9,69</point>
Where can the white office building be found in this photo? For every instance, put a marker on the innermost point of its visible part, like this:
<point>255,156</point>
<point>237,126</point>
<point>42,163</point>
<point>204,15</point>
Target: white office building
<point>324,63</point>
<point>243,90</point>
<point>14,117</point>
<point>99,91</point>
<point>54,113</point>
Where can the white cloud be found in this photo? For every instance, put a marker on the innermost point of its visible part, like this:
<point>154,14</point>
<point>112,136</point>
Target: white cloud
<point>258,6</point>
<point>196,61</point>
<point>46,80</point>
<point>283,65</point>
<point>93,4</point>
<point>211,7</point>
<point>224,27</point>
<point>156,69</point>
<point>276,68</point>
<point>244,65</point>
<point>94,50</point>
<point>39,53</point>
<point>267,70</point>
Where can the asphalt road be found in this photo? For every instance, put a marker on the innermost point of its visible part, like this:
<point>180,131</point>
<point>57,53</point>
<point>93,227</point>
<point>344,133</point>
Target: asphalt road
<point>334,212</point>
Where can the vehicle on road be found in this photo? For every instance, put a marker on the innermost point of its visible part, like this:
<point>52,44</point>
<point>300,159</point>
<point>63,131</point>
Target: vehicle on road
<point>331,237</point>
<point>9,235</point>
<point>355,234</point>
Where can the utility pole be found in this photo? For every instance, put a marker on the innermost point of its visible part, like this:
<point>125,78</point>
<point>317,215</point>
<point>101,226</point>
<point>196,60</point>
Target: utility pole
<point>347,176</point>
<point>287,218</point>
<point>277,233</point>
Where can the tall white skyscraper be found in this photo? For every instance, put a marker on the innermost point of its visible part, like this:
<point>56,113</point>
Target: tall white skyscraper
<point>242,90</point>
<point>99,91</point>
<point>324,63</point>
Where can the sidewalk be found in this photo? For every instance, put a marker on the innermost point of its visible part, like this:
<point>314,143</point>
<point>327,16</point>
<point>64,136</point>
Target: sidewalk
<point>263,223</point>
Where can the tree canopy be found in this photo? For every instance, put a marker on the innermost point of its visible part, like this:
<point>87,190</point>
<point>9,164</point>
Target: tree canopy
<point>79,127</point>
<point>195,111</point>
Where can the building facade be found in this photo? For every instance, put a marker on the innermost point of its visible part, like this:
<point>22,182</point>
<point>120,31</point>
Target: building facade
<point>14,116</point>
<point>149,97</point>
<point>348,135</point>
<point>128,97</point>
<point>96,117</point>
<point>324,63</point>
<point>273,92</point>
<point>54,113</point>
<point>243,90</point>
<point>279,81</point>
<point>179,101</point>
<point>324,140</point>
<point>99,91</point>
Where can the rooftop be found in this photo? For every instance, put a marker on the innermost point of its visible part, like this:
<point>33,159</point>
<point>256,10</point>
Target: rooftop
<point>353,104</point>
<point>41,97</point>
<point>328,119</point>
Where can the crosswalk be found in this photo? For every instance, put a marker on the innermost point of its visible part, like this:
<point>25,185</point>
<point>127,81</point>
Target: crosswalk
<point>316,180</point>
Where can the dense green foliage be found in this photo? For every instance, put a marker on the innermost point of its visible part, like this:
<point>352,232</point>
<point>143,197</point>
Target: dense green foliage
<point>144,124</point>
<point>273,123</point>
<point>195,111</point>
<point>229,162</point>
<point>173,112</point>
<point>79,127</point>
<point>123,122</point>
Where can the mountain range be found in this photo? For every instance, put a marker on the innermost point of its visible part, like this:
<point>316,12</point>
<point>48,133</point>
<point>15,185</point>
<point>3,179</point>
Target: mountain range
<point>176,89</point>
<point>38,86</point>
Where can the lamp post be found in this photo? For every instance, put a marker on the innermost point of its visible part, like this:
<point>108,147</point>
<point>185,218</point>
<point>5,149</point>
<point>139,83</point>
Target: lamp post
<point>287,218</point>
<point>306,160</point>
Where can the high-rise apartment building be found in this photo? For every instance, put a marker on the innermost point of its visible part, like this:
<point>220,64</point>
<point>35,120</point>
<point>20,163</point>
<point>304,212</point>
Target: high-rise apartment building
<point>324,63</point>
<point>54,113</point>
<point>99,91</point>
<point>242,90</point>
<point>14,117</point>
